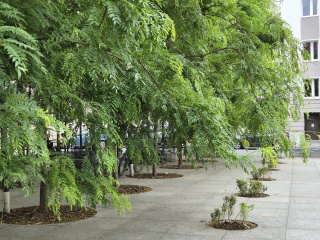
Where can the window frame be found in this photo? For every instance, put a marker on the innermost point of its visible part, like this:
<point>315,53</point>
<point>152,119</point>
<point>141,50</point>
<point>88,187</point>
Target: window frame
<point>312,49</point>
<point>311,8</point>
<point>312,89</point>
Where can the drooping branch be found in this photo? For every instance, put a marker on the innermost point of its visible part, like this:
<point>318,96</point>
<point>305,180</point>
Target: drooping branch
<point>207,8</point>
<point>203,55</point>
<point>240,53</point>
<point>103,17</point>
<point>111,54</point>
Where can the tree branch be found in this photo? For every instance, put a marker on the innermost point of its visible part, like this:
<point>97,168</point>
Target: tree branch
<point>111,54</point>
<point>207,8</point>
<point>103,17</point>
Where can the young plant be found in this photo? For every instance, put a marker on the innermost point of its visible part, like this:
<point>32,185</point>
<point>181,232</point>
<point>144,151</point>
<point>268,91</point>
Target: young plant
<point>227,209</point>
<point>231,202</point>
<point>216,216</point>
<point>256,188</point>
<point>260,173</point>
<point>242,185</point>
<point>244,210</point>
<point>250,188</point>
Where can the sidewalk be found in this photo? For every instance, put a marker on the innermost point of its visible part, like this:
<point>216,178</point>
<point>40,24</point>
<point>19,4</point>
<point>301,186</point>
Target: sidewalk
<point>179,208</point>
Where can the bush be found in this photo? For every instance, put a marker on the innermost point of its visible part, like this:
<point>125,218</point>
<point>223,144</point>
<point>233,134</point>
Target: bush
<point>262,172</point>
<point>252,188</point>
<point>227,209</point>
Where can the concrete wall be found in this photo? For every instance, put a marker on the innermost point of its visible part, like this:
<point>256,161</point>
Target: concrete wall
<point>309,28</point>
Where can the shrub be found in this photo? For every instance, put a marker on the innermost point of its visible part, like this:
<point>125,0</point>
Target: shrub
<point>262,172</point>
<point>253,190</point>
<point>242,185</point>
<point>216,216</point>
<point>227,209</point>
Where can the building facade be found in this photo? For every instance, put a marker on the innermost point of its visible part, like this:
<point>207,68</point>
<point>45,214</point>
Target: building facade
<point>303,17</point>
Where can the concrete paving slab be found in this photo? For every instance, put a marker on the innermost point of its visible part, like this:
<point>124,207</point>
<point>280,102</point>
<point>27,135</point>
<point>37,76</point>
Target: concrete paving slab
<point>28,232</point>
<point>127,235</point>
<point>196,228</point>
<point>258,233</point>
<point>178,236</point>
<point>302,234</point>
<point>296,222</point>
<point>179,208</point>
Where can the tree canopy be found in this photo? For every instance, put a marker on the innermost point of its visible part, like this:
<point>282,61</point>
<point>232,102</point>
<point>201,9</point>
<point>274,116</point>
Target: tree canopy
<point>202,71</point>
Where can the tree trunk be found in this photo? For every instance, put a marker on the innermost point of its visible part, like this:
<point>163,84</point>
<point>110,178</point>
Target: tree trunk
<point>43,208</point>
<point>154,169</point>
<point>154,166</point>
<point>6,198</point>
<point>115,172</point>
<point>180,159</point>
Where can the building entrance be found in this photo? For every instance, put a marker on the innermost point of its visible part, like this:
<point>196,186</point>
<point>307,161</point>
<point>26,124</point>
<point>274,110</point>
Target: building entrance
<point>312,125</point>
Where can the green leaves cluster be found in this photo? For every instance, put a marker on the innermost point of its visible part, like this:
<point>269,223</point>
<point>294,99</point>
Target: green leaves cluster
<point>203,71</point>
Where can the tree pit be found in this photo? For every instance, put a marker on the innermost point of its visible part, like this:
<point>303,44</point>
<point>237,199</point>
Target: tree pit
<point>133,189</point>
<point>258,195</point>
<point>182,167</point>
<point>30,215</point>
<point>233,225</point>
<point>158,176</point>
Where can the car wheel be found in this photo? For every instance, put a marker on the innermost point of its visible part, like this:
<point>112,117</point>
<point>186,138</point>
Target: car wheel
<point>238,145</point>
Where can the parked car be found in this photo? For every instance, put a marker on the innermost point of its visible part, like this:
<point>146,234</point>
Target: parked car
<point>256,141</point>
<point>84,137</point>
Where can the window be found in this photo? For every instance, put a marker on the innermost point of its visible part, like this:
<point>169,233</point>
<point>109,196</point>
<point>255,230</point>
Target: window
<point>312,48</point>
<point>309,7</point>
<point>311,88</point>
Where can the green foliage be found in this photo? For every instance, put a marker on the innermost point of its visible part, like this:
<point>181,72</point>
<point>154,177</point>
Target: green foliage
<point>251,188</point>
<point>216,216</point>
<point>118,67</point>
<point>244,211</point>
<point>260,173</point>
<point>242,185</point>
<point>227,209</point>
<point>256,188</point>
<point>270,156</point>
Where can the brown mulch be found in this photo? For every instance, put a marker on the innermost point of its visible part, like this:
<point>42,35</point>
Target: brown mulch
<point>260,195</point>
<point>200,161</point>
<point>29,216</point>
<point>133,189</point>
<point>182,167</point>
<point>233,225</point>
<point>159,175</point>
<point>264,179</point>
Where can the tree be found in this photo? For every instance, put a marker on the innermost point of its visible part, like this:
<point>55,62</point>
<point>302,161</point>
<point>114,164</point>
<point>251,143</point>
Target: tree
<point>208,69</point>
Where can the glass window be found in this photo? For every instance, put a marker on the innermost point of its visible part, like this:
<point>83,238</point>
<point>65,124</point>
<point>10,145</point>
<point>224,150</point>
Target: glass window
<point>306,7</point>
<point>311,88</point>
<point>312,48</point>
<point>316,87</point>
<point>315,50</point>
<point>309,7</point>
